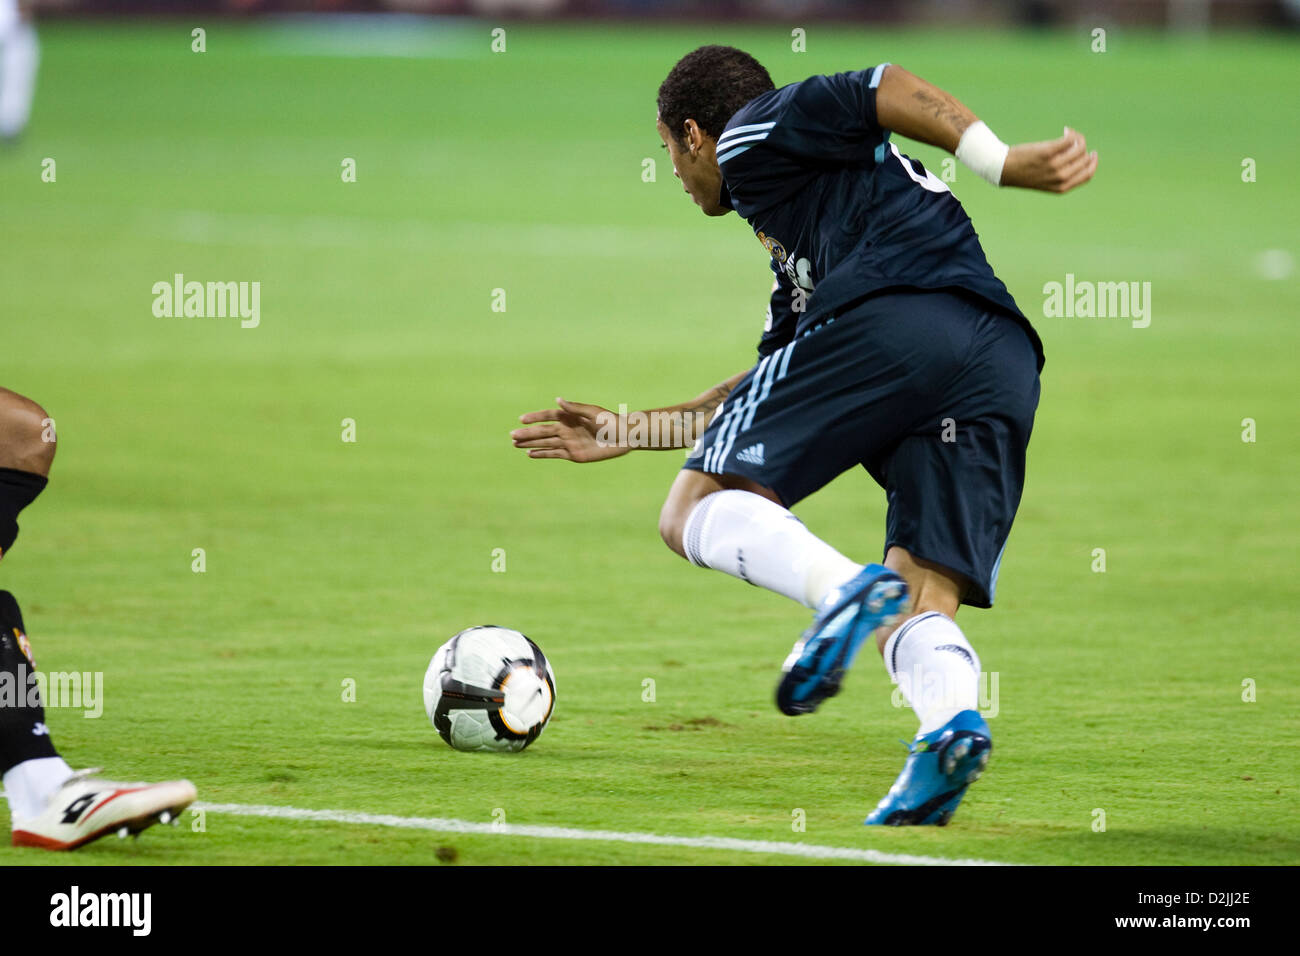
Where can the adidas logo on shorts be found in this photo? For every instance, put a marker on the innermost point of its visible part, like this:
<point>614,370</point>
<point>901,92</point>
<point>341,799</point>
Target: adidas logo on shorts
<point>753,455</point>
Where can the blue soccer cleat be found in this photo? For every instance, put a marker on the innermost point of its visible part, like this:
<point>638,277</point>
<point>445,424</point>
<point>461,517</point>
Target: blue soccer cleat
<point>849,614</point>
<point>940,766</point>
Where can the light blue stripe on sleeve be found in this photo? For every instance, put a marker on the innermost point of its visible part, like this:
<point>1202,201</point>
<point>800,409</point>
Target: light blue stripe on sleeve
<point>729,134</point>
<point>752,137</point>
<point>735,152</point>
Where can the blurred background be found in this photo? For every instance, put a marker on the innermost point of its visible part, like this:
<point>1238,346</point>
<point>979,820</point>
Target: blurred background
<point>1180,14</point>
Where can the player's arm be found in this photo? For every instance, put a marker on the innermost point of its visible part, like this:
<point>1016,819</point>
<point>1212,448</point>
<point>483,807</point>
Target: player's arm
<point>911,107</point>
<point>578,432</point>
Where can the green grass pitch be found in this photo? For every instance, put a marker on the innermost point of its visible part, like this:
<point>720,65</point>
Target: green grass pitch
<point>329,562</point>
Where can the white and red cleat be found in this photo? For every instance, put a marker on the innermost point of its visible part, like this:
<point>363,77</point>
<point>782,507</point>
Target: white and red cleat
<point>87,807</point>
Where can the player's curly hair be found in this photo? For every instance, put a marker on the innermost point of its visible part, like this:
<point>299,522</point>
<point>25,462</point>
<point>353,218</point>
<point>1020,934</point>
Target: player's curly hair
<point>710,85</point>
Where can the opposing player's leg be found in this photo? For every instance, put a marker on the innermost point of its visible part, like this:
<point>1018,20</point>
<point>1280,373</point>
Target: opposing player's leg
<point>50,805</point>
<point>26,452</point>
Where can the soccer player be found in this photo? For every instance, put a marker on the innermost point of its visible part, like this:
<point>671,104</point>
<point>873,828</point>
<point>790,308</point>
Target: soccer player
<point>50,805</point>
<point>19,56</point>
<point>889,344</point>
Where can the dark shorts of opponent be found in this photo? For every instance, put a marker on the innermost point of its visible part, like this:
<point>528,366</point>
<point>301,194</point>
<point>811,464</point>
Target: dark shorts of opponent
<point>933,392</point>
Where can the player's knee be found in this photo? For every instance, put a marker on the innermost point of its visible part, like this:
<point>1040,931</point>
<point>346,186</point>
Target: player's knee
<point>671,523</point>
<point>27,440</point>
<point>685,494</point>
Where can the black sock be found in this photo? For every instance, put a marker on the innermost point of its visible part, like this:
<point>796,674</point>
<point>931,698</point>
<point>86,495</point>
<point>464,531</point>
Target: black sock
<point>18,489</point>
<point>23,734</point>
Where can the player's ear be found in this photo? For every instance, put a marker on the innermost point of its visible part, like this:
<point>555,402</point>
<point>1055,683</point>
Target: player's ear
<point>694,137</point>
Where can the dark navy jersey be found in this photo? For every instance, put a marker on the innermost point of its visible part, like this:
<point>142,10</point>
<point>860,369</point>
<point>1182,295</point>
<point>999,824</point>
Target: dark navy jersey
<point>842,212</point>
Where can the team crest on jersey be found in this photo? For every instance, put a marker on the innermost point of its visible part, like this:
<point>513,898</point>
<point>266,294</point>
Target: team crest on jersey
<point>25,646</point>
<point>799,272</point>
<point>773,247</point>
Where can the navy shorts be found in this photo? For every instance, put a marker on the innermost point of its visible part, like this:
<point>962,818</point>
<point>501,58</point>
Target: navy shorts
<point>933,393</point>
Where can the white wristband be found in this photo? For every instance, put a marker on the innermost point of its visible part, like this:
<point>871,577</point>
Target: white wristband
<point>982,152</point>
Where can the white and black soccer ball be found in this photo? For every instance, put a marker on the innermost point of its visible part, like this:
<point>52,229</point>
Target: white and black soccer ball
<point>489,688</point>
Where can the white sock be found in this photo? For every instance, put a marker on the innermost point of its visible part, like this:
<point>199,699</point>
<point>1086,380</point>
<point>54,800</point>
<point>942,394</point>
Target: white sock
<point>19,55</point>
<point>935,667</point>
<point>28,785</point>
<point>758,541</point>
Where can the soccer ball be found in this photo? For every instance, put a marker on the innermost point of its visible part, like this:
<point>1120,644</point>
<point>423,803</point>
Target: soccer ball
<point>489,688</point>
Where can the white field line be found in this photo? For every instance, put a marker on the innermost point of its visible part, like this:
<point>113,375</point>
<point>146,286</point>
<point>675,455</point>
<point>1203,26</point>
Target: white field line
<point>806,850</point>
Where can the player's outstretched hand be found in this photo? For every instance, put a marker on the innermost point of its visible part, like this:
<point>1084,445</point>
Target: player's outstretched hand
<point>572,432</point>
<point>1054,166</point>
